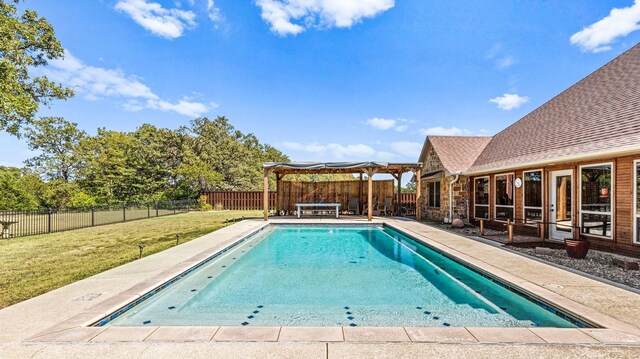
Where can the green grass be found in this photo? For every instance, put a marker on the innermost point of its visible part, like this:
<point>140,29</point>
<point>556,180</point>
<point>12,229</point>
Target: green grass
<point>33,265</point>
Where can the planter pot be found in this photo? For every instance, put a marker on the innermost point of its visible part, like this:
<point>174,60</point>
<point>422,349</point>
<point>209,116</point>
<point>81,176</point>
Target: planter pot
<point>576,249</point>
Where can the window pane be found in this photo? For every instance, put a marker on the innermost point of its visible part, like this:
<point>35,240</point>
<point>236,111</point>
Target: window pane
<point>504,190</point>
<point>638,229</point>
<point>533,189</point>
<point>482,190</point>
<point>436,202</point>
<point>596,188</point>
<point>532,214</point>
<point>504,213</point>
<point>482,212</point>
<point>598,224</point>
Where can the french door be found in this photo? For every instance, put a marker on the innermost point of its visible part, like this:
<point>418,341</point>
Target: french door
<point>561,205</point>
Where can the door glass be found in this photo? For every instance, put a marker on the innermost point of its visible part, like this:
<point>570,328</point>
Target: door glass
<point>563,203</point>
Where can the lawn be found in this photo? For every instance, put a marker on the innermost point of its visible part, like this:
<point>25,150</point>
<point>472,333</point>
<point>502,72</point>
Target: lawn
<point>37,264</point>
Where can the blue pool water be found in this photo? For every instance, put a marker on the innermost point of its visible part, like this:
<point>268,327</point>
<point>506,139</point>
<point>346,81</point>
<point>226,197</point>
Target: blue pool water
<point>336,276</point>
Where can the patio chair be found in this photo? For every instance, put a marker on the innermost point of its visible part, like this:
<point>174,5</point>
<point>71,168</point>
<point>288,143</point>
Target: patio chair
<point>387,206</point>
<point>374,206</point>
<point>353,205</point>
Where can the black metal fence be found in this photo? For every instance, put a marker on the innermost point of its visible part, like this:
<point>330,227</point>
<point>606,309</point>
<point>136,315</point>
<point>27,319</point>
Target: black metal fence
<point>49,220</point>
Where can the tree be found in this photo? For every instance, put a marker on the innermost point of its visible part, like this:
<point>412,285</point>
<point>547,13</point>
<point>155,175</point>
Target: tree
<point>105,168</point>
<point>14,191</point>
<point>26,42</point>
<point>57,141</point>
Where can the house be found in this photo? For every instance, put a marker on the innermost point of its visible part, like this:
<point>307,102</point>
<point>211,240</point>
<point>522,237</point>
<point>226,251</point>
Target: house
<point>572,164</point>
<point>445,191</point>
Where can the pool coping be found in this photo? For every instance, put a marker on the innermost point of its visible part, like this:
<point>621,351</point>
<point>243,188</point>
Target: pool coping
<point>79,327</point>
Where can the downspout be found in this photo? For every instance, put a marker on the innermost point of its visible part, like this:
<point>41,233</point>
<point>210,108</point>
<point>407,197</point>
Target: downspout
<point>451,197</point>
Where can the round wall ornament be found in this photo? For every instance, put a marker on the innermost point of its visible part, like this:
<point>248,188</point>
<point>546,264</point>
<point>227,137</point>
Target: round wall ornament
<point>518,182</point>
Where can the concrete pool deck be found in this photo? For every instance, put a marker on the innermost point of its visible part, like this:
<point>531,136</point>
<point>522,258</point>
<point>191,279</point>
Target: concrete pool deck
<point>56,323</point>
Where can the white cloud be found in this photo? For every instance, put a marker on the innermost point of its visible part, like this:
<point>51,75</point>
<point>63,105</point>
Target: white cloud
<point>505,62</point>
<point>291,17</point>
<point>400,125</point>
<point>598,36</point>
<point>497,54</point>
<point>354,152</point>
<point>214,13</point>
<point>407,149</point>
<point>167,23</point>
<point>401,128</point>
<point>381,123</point>
<point>509,101</point>
<point>444,131</point>
<point>95,83</point>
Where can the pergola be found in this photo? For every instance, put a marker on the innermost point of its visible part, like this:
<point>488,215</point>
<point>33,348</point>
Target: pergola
<point>281,169</point>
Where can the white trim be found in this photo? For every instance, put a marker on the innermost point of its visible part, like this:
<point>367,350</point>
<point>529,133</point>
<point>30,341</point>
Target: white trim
<point>553,190</point>
<point>612,193</point>
<point>616,152</point>
<point>488,205</point>
<point>495,197</point>
<point>636,215</point>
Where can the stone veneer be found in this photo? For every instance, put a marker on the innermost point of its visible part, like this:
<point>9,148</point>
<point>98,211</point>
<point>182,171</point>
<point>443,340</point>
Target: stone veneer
<point>460,200</point>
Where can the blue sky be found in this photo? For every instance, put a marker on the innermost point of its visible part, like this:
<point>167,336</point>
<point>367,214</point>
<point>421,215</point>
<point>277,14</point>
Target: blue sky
<point>325,80</point>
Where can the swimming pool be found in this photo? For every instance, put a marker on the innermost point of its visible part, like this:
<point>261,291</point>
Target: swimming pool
<point>300,275</point>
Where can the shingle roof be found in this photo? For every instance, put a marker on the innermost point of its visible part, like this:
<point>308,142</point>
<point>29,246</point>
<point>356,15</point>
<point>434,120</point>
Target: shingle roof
<point>599,113</point>
<point>457,153</point>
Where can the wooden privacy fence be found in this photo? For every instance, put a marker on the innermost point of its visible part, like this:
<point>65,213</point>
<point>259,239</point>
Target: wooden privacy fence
<point>239,200</point>
<point>290,192</point>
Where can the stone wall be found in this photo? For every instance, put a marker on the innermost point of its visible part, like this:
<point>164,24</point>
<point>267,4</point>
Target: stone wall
<point>460,192</point>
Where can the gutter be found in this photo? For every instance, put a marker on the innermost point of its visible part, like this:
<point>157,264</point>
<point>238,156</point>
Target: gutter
<point>451,197</point>
<point>620,151</point>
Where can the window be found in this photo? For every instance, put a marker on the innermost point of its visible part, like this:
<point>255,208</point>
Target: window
<point>434,194</point>
<point>596,193</point>
<point>636,198</point>
<point>481,196</point>
<point>504,197</point>
<point>532,188</point>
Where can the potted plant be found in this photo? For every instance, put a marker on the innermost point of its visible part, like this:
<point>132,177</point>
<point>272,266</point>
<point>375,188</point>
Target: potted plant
<point>576,248</point>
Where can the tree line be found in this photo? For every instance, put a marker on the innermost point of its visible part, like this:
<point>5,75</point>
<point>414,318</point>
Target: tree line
<point>75,169</point>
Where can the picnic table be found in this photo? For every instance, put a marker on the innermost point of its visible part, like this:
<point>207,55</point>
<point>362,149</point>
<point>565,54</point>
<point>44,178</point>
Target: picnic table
<point>5,228</point>
<point>328,205</point>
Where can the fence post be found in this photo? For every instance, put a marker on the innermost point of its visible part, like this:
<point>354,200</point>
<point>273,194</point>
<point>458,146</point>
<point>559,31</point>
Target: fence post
<point>93,220</point>
<point>124,212</point>
<point>174,206</point>
<point>148,211</point>
<point>49,220</point>
<point>482,227</point>
<point>510,231</point>
<point>156,205</point>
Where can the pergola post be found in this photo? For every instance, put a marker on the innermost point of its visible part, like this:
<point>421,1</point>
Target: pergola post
<point>399,193</point>
<point>278,202</point>
<point>360,190</point>
<point>418,192</point>
<point>370,194</point>
<point>265,198</point>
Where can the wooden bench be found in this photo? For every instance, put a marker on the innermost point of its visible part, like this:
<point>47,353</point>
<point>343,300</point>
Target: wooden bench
<point>327,205</point>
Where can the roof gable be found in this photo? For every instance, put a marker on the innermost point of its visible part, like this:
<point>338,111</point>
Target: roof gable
<point>456,153</point>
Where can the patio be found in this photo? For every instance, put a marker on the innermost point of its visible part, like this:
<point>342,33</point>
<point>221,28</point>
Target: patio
<point>54,324</point>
